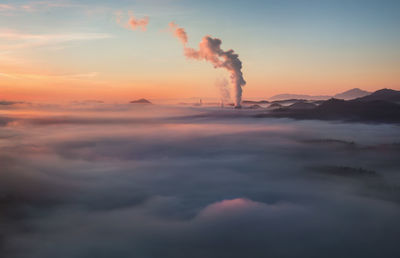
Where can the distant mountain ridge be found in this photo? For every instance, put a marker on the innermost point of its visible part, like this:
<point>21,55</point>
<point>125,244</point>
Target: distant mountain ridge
<point>298,96</point>
<point>352,94</point>
<point>382,106</point>
<point>140,101</point>
<point>301,105</point>
<point>347,95</point>
<point>383,94</point>
<point>255,102</point>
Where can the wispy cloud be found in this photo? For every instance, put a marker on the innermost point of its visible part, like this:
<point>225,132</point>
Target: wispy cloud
<point>14,35</point>
<point>133,22</point>
<point>8,75</point>
<point>6,7</point>
<point>18,40</point>
<point>38,76</point>
<point>36,6</point>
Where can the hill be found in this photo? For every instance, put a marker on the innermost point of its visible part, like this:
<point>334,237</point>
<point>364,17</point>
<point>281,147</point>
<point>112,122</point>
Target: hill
<point>301,105</point>
<point>377,110</point>
<point>347,95</point>
<point>352,94</point>
<point>251,102</point>
<point>275,105</point>
<point>140,101</point>
<point>383,95</point>
<point>372,108</point>
<point>298,96</point>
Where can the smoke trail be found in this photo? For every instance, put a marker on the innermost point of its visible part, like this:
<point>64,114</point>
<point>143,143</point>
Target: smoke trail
<point>222,86</point>
<point>133,23</point>
<point>210,51</point>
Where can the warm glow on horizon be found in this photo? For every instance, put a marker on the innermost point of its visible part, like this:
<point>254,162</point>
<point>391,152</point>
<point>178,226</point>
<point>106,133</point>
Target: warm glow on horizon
<point>116,52</point>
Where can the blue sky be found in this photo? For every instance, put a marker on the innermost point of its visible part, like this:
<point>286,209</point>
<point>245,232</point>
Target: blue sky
<point>308,46</point>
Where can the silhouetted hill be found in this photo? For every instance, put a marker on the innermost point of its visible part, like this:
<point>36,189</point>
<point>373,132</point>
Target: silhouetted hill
<point>288,101</point>
<point>335,109</point>
<point>301,105</point>
<point>384,95</point>
<point>141,101</point>
<point>352,94</point>
<point>298,96</point>
<point>275,105</point>
<point>318,102</point>
<point>347,95</point>
<point>251,102</point>
<point>380,111</point>
<point>255,106</point>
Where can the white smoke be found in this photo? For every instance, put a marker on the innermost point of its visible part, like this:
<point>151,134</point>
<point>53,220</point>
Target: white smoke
<point>210,51</point>
<point>223,89</point>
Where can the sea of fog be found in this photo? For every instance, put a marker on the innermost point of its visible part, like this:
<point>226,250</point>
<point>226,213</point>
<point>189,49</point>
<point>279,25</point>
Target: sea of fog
<point>149,181</point>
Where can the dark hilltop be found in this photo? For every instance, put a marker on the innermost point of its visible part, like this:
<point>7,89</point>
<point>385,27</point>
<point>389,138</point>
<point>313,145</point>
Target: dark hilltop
<point>140,101</point>
<point>381,106</point>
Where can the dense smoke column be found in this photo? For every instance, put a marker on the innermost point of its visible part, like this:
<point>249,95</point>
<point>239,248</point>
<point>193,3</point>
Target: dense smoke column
<point>210,51</point>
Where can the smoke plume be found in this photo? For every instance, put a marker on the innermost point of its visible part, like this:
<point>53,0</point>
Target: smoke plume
<point>210,51</point>
<point>222,86</point>
<point>133,22</point>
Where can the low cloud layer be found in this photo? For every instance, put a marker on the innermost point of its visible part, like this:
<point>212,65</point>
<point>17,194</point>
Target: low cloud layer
<point>182,182</point>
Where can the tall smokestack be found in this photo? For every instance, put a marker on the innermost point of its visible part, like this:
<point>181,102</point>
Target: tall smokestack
<point>210,51</point>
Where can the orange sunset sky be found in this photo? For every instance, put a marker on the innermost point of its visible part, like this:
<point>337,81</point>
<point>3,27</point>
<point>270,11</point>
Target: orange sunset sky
<point>73,50</point>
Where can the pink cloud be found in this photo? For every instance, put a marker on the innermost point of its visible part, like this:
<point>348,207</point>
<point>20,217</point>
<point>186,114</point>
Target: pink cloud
<point>178,32</point>
<point>133,22</point>
<point>6,7</point>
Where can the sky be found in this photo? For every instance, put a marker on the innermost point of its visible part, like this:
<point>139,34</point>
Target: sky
<point>71,50</point>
